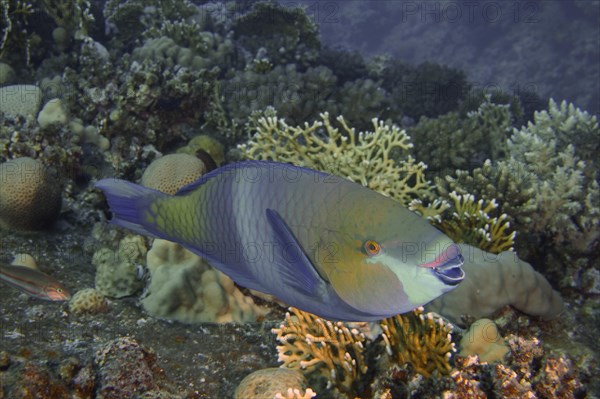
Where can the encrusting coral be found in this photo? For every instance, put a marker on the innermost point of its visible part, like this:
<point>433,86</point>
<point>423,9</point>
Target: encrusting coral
<point>484,340</point>
<point>376,159</point>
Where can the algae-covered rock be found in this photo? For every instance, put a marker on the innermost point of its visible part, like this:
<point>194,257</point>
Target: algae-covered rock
<point>30,195</point>
<point>118,272</point>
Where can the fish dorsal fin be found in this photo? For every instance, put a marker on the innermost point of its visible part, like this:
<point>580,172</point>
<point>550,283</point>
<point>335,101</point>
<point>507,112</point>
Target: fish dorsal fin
<point>295,269</point>
<point>237,167</point>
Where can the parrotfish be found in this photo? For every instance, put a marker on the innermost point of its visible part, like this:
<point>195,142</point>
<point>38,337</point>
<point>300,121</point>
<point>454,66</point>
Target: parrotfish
<point>315,241</point>
<point>34,282</point>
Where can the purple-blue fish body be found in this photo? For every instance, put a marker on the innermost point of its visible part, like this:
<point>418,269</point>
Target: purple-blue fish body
<point>318,242</point>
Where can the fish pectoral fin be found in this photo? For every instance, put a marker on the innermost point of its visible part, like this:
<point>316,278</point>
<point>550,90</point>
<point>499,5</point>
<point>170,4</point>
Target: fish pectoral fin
<point>295,268</point>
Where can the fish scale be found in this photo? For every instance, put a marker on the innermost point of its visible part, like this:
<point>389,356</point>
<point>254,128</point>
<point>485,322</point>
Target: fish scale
<point>300,235</point>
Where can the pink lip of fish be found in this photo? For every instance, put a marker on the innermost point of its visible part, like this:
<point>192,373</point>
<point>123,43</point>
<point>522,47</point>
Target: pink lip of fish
<point>34,283</point>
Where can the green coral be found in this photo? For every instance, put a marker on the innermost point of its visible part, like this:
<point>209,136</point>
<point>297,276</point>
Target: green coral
<point>14,20</point>
<point>297,96</point>
<point>452,142</point>
<point>547,185</point>
<point>377,159</point>
<point>285,34</point>
<point>73,15</point>
<point>148,14</point>
<point>468,220</point>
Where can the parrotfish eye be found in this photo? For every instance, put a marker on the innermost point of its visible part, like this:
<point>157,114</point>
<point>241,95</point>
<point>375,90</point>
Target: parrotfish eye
<point>372,247</point>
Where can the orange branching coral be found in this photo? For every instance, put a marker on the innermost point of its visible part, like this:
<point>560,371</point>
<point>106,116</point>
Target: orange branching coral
<point>320,346</point>
<point>424,340</point>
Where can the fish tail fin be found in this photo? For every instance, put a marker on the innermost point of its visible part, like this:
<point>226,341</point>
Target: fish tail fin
<point>128,202</point>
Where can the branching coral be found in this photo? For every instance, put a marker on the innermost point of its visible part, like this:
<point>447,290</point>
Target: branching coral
<point>548,186</point>
<point>470,221</point>
<point>424,340</point>
<point>341,353</point>
<point>315,345</point>
<point>73,15</point>
<point>14,15</point>
<point>367,158</point>
<point>452,142</point>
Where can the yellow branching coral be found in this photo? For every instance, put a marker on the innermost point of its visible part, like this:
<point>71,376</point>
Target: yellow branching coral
<point>423,340</point>
<point>368,158</point>
<point>469,220</point>
<point>315,345</point>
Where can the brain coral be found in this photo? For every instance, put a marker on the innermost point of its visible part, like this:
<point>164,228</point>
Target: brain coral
<point>87,301</point>
<point>267,383</point>
<point>171,172</point>
<point>30,195</point>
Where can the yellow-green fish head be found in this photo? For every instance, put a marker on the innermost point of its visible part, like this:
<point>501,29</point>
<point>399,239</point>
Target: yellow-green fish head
<point>387,260</point>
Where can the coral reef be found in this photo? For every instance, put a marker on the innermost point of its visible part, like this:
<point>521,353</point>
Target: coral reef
<point>30,195</point>
<point>7,74</point>
<point>284,34</point>
<point>20,100</point>
<point>205,143</point>
<point>88,301</point>
<point>548,187</point>
<point>14,35</point>
<point>494,281</point>
<point>268,383</point>
<point>329,349</point>
<point>53,112</point>
<point>184,287</point>
<point>118,273</point>
<point>126,369</point>
<point>423,340</point>
<point>529,373</point>
<point>171,172</point>
<point>451,142</point>
<point>484,340</point>
<point>369,158</point>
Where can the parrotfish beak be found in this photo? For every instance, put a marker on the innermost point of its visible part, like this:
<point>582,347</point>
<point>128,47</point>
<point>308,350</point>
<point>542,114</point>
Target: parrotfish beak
<point>447,265</point>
